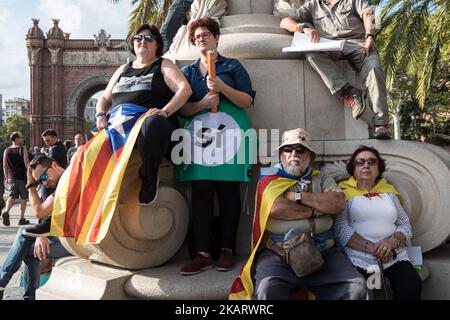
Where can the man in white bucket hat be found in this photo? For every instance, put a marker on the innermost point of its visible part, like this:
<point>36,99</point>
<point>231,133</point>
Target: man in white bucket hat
<point>293,198</point>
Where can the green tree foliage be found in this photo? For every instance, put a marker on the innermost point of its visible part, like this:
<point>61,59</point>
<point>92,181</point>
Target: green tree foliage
<point>15,123</point>
<point>416,32</point>
<point>146,11</point>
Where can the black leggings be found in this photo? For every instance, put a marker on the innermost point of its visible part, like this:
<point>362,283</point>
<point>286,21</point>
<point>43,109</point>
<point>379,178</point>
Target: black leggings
<point>405,281</point>
<point>153,143</point>
<point>202,212</point>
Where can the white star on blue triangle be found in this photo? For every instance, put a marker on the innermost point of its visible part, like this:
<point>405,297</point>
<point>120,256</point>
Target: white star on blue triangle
<point>123,117</point>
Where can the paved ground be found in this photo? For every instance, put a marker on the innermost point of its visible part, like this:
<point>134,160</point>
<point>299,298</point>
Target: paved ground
<point>7,234</point>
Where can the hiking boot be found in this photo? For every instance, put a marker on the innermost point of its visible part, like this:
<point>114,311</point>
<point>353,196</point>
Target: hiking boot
<point>226,260</point>
<point>148,193</point>
<point>381,132</point>
<point>23,222</point>
<point>39,230</point>
<point>197,265</point>
<point>354,99</point>
<point>5,217</point>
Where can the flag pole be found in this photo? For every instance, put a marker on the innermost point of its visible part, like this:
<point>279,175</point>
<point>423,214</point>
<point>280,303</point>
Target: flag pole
<point>211,55</point>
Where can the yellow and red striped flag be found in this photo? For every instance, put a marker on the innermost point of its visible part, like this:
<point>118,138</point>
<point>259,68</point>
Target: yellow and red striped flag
<point>272,184</point>
<point>88,191</point>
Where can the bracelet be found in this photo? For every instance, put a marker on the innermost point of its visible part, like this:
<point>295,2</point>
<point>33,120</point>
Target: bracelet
<point>369,35</point>
<point>399,241</point>
<point>166,112</point>
<point>100,114</point>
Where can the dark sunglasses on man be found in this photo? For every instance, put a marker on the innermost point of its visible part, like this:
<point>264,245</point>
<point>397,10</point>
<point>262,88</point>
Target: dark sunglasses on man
<point>298,149</point>
<point>44,176</point>
<point>147,38</point>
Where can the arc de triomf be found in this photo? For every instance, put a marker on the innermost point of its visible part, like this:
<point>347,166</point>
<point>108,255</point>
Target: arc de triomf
<point>64,74</point>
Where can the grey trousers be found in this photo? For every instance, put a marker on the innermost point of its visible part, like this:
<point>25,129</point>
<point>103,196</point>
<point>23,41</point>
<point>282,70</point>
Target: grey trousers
<point>369,69</point>
<point>338,279</point>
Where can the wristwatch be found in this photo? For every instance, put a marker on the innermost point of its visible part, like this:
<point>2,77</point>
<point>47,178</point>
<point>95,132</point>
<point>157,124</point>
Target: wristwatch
<point>31,185</point>
<point>298,197</point>
<point>300,26</point>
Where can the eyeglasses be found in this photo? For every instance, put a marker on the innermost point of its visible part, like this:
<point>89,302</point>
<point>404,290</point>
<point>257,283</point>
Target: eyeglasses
<point>289,149</point>
<point>44,176</point>
<point>202,35</point>
<point>147,38</point>
<point>370,162</point>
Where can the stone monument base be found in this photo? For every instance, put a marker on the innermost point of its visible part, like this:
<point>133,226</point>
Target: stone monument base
<point>437,287</point>
<point>80,279</point>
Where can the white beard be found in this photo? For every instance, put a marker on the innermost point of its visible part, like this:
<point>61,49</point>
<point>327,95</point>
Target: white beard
<point>293,169</point>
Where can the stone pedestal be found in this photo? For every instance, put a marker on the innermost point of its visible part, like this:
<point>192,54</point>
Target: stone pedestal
<point>80,279</point>
<point>290,94</point>
<point>437,287</point>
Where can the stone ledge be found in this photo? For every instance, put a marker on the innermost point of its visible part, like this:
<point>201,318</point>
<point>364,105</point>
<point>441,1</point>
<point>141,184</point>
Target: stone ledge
<point>437,286</point>
<point>166,283</point>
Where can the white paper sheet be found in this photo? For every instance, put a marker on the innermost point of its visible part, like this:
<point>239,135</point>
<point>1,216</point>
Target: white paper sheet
<point>415,255</point>
<point>301,43</point>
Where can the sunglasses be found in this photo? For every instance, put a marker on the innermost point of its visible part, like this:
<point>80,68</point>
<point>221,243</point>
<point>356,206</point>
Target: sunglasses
<point>44,176</point>
<point>289,149</point>
<point>147,38</point>
<point>202,35</point>
<point>361,162</point>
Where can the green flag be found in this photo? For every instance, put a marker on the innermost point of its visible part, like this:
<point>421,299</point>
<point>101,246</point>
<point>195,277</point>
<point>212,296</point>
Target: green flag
<point>219,145</point>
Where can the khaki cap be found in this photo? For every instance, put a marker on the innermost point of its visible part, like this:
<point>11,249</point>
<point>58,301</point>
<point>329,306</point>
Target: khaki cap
<point>297,136</point>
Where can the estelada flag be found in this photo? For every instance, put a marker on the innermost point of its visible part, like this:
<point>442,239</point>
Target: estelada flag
<point>272,184</point>
<point>88,191</point>
<point>351,189</point>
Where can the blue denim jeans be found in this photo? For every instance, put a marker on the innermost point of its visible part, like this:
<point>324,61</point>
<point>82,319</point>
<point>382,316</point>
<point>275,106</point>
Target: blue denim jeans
<point>23,250</point>
<point>176,17</point>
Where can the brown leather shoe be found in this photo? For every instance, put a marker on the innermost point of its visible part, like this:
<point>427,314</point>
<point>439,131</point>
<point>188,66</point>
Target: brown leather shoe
<point>226,261</point>
<point>197,265</point>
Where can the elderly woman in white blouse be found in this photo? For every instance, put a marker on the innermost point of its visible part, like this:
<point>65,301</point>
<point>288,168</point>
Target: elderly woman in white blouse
<point>375,225</point>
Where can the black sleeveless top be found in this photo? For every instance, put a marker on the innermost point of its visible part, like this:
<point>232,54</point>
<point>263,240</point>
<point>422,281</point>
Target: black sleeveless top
<point>16,163</point>
<point>144,87</point>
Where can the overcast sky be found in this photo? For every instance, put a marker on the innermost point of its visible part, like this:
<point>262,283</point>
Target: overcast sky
<point>82,18</point>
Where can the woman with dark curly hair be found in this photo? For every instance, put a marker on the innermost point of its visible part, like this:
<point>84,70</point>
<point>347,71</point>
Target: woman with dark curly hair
<point>215,168</point>
<point>155,84</point>
<point>375,225</point>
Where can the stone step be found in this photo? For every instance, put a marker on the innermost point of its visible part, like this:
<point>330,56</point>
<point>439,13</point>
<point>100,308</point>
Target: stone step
<point>74,278</point>
<point>437,286</point>
<point>166,282</point>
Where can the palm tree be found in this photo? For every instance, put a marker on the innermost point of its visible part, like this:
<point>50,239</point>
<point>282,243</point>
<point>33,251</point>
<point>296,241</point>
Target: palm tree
<point>146,11</point>
<point>414,33</point>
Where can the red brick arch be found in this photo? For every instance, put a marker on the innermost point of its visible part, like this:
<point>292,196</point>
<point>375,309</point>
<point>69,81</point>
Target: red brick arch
<point>64,74</point>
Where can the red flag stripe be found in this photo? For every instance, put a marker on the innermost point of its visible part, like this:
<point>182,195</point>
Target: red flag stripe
<point>262,185</point>
<point>237,286</point>
<point>97,221</point>
<point>92,183</point>
<point>74,190</point>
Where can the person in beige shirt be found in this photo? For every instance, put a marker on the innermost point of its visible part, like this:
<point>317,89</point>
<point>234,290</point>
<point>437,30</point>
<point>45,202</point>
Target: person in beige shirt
<point>353,21</point>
